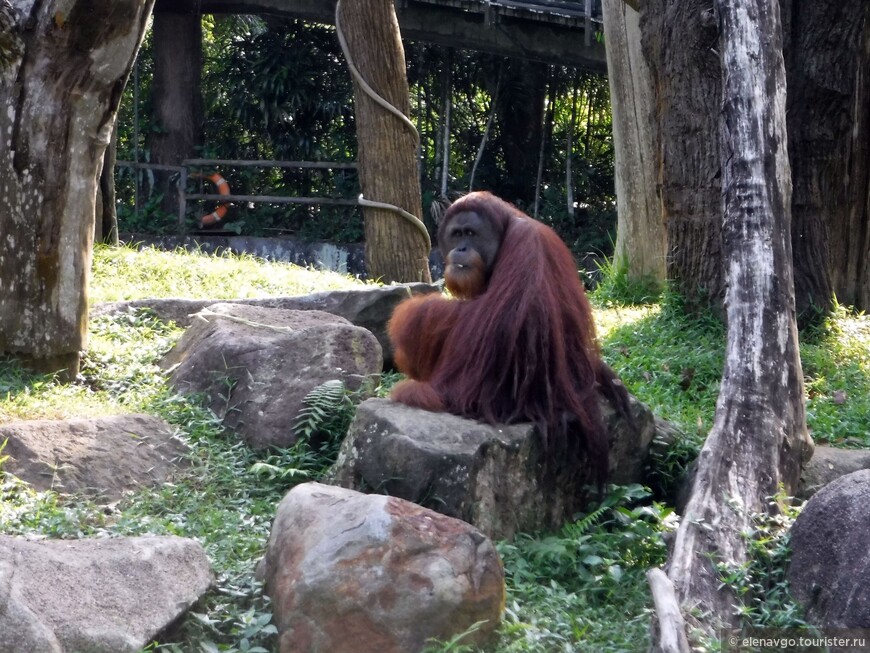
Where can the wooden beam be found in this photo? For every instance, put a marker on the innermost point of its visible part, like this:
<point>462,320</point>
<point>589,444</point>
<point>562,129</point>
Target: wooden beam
<point>560,42</point>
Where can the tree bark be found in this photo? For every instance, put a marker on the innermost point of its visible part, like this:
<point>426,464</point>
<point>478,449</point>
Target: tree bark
<point>679,41</point>
<point>176,93</point>
<point>396,250</point>
<point>641,237</point>
<point>828,65</point>
<point>759,437</point>
<point>827,46</point>
<point>520,121</point>
<point>59,97</point>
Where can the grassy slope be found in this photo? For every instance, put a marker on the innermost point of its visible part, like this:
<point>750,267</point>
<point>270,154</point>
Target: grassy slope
<point>578,590</point>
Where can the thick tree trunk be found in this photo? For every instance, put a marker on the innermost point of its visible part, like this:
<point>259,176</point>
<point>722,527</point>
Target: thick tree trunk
<point>828,65</point>
<point>59,101</point>
<point>827,45</point>
<point>759,437</point>
<point>641,238</point>
<point>679,41</point>
<point>177,93</point>
<point>521,120</point>
<point>396,249</point>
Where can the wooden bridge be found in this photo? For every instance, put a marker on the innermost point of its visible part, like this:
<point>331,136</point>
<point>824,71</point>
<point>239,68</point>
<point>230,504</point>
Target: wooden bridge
<point>564,32</point>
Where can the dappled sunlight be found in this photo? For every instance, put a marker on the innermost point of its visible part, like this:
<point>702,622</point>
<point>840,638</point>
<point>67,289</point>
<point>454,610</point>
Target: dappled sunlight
<point>25,398</point>
<point>836,367</point>
<point>126,273</point>
<point>611,317</point>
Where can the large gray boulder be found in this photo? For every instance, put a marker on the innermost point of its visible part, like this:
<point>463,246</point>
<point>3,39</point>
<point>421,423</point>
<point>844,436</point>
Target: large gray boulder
<point>95,595</point>
<point>830,565</point>
<point>829,464</point>
<point>355,573</point>
<point>489,476</point>
<point>105,456</point>
<point>256,365</point>
<point>370,307</point>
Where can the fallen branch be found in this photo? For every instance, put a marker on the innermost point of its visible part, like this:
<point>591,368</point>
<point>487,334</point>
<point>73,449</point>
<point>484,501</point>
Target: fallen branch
<point>671,625</point>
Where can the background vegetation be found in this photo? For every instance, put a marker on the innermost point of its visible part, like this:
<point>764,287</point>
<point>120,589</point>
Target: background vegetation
<point>279,89</point>
<point>581,589</point>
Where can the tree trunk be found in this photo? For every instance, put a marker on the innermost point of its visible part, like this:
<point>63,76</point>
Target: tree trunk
<point>546,136</point>
<point>176,93</point>
<point>520,120</point>
<point>827,45</point>
<point>828,64</point>
<point>485,137</point>
<point>569,151</point>
<point>106,228</point>
<point>641,238</point>
<point>759,437</point>
<point>396,249</point>
<point>447,105</point>
<point>679,41</point>
<point>59,96</point>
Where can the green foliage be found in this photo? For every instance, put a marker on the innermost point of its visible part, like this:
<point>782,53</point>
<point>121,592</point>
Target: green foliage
<point>672,361</point>
<point>760,584</point>
<point>836,364</point>
<point>150,218</point>
<point>592,228</point>
<point>319,406</point>
<point>454,644</point>
<point>326,416</point>
<point>123,273</point>
<point>616,288</point>
<point>584,588</point>
<point>277,88</point>
<point>24,511</point>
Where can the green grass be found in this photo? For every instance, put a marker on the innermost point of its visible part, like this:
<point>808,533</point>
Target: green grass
<point>673,362</point>
<point>836,365</point>
<point>124,273</point>
<point>581,589</point>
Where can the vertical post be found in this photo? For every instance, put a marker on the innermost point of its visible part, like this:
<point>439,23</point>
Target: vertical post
<point>182,198</point>
<point>448,94</point>
<point>587,29</point>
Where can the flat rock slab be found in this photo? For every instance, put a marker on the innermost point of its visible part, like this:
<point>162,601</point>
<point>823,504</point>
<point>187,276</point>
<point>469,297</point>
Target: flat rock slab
<point>106,456</point>
<point>95,595</point>
<point>370,308</point>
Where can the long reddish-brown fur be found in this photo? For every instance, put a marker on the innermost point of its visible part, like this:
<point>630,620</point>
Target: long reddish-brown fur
<point>523,350</point>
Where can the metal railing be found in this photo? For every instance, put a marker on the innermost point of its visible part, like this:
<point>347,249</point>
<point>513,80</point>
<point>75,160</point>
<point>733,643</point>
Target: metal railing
<point>187,164</point>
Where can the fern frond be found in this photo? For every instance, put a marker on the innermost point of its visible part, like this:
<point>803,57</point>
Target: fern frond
<point>584,525</point>
<point>318,406</point>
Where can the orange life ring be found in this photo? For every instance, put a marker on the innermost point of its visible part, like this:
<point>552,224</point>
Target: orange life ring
<point>223,188</point>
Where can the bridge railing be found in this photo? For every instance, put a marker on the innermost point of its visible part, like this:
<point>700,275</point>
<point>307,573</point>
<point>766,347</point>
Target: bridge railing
<point>184,173</point>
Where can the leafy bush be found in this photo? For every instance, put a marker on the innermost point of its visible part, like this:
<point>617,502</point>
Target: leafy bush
<point>584,588</point>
